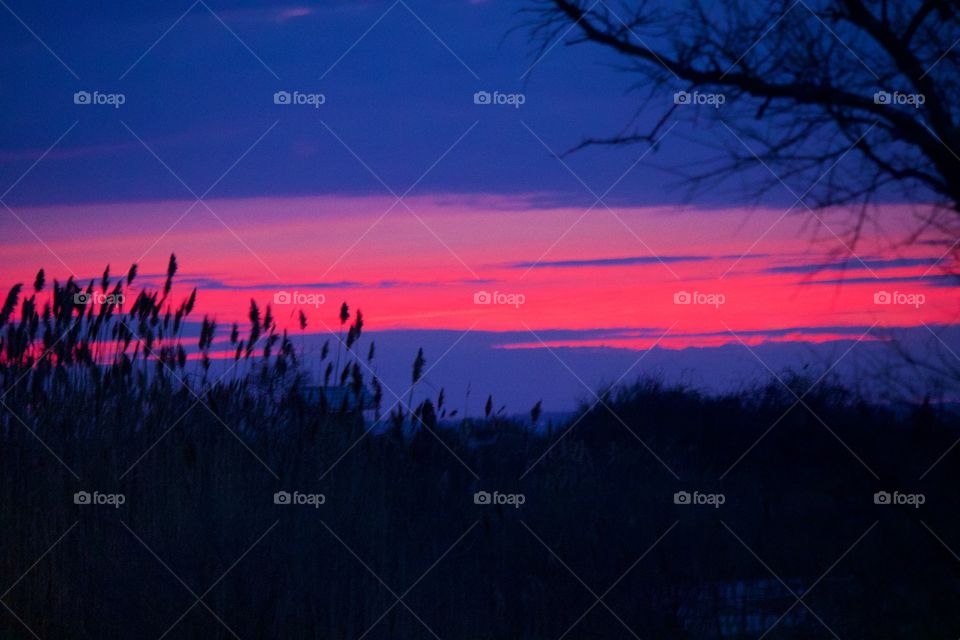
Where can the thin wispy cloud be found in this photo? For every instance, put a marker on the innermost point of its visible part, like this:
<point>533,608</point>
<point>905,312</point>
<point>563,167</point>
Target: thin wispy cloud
<point>214,284</point>
<point>606,262</point>
<point>938,280</point>
<point>876,264</point>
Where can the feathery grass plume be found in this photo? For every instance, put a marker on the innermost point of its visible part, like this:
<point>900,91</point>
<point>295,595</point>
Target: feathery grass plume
<point>39,283</point>
<point>370,352</point>
<point>358,323</point>
<point>535,412</point>
<point>131,274</point>
<point>117,302</point>
<point>171,271</point>
<point>268,345</point>
<point>268,323</point>
<point>10,303</point>
<point>488,408</point>
<point>178,318</point>
<point>303,328</point>
<point>426,415</point>
<point>89,305</point>
<point>377,397</point>
<point>356,385</point>
<point>351,337</point>
<point>57,301</point>
<point>191,301</point>
<point>234,333</point>
<point>207,330</point>
<point>284,359</point>
<point>105,280</point>
<point>286,347</point>
<point>418,363</point>
<point>344,316</point>
<point>254,327</point>
<point>325,350</point>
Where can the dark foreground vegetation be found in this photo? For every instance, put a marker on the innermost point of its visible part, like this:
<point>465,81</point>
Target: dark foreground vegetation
<point>111,399</point>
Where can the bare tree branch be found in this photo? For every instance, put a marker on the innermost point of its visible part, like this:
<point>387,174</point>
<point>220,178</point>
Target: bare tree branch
<point>802,83</point>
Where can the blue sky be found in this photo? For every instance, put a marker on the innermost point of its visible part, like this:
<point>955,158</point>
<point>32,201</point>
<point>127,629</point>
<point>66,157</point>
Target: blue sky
<point>398,79</point>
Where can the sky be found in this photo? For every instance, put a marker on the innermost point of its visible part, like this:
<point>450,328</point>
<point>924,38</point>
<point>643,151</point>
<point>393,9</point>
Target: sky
<point>347,151</point>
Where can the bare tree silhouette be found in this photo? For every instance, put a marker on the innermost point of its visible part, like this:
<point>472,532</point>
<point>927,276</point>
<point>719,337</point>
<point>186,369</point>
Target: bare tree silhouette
<point>857,98</point>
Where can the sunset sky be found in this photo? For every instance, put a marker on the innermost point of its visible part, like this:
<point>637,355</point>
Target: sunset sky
<point>402,196</point>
